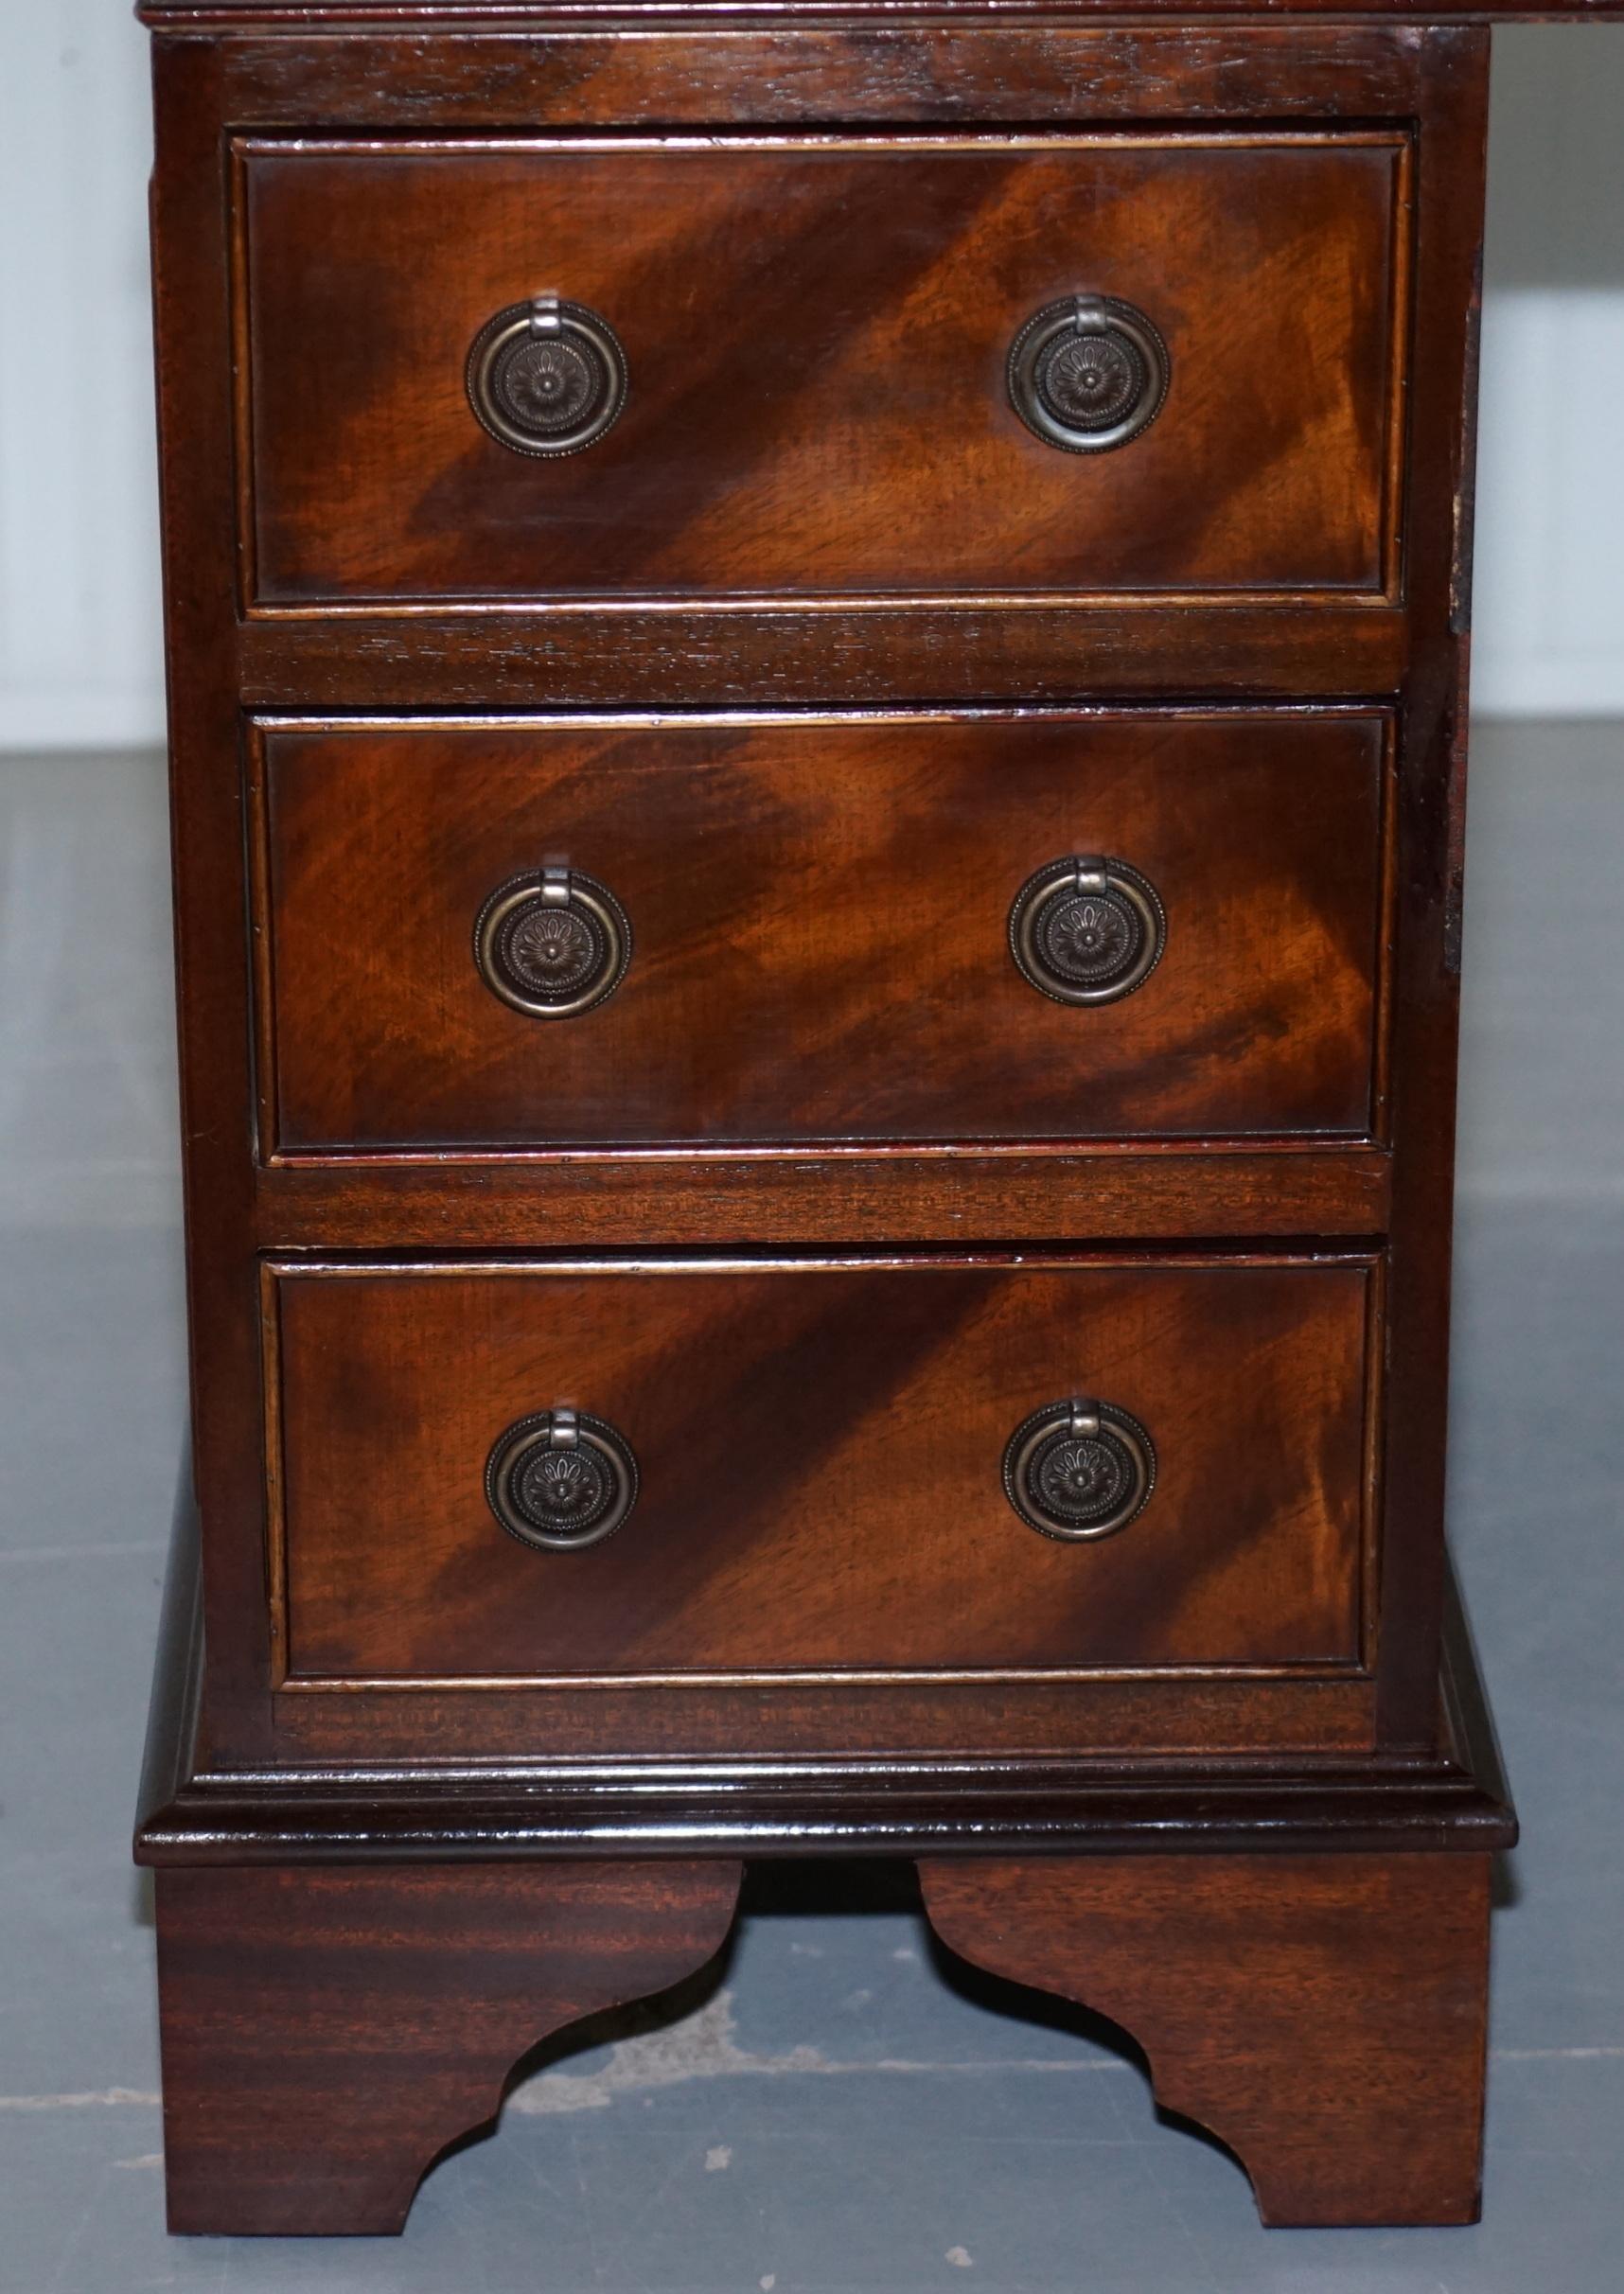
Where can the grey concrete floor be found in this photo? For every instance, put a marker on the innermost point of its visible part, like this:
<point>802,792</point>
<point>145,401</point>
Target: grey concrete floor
<point>837,2108</point>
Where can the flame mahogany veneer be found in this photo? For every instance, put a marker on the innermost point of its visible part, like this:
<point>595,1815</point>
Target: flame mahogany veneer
<point>814,1253</point>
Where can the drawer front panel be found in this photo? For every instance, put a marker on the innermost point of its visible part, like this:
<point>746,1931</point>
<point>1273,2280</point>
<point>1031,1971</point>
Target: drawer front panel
<point>817,917</point>
<point>820,1454</point>
<point>817,338</point>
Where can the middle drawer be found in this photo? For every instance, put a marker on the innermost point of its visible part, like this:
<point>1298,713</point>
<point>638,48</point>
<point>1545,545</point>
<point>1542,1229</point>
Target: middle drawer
<point>732,929</point>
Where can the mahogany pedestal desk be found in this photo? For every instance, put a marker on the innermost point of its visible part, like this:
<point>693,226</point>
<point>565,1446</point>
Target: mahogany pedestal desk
<point>818,681</point>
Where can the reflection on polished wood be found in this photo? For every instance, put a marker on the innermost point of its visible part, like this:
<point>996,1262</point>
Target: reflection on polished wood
<point>796,424</point>
<point>811,660</point>
<point>819,929</point>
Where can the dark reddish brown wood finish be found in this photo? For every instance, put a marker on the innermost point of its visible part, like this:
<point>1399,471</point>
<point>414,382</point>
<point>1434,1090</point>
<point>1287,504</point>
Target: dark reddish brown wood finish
<point>816,335</point>
<point>608,657</point>
<point>974,70</point>
<point>327,2031</point>
<point>559,1803</point>
<point>615,1198</point>
<point>820,1451</point>
<point>1323,2015</point>
<point>820,915</point>
<point>193,341</point>
<point>818,499</point>
<point>733,1724</point>
<point>233,14</point>
<point>1429,842</point>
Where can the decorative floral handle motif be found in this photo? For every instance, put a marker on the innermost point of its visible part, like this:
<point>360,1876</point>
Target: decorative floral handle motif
<point>562,1480</point>
<point>547,377</point>
<point>551,944</point>
<point>1088,373</point>
<point>1078,1469</point>
<point>1087,931</point>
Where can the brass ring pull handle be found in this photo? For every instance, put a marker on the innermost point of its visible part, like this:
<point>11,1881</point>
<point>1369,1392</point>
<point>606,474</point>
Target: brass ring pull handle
<point>547,377</point>
<point>1087,931</point>
<point>1079,1470</point>
<point>562,1480</point>
<point>551,944</point>
<point>1088,373</point>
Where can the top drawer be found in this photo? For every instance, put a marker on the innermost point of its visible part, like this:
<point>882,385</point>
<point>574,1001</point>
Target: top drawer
<point>816,335</point>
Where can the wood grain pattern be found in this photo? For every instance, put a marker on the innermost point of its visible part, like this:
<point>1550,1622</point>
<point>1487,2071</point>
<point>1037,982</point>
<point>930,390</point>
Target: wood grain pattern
<point>558,1804</point>
<point>964,73</point>
<point>1018,1724</point>
<point>817,229</point>
<point>1323,2015</point>
<point>577,1199</point>
<point>327,2032</point>
<point>1431,827</point>
<point>190,316</point>
<point>816,334</point>
<point>362,14</point>
<point>821,1452</point>
<point>1136,648</point>
<point>977,66</point>
<point>820,928</point>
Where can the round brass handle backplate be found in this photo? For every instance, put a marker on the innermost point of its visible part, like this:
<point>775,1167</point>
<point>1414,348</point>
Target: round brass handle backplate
<point>547,377</point>
<point>551,944</point>
<point>1087,931</point>
<point>1088,373</point>
<point>1079,1470</point>
<point>562,1480</point>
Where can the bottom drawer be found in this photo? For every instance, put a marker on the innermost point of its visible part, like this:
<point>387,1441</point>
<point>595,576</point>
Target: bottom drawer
<point>945,1465</point>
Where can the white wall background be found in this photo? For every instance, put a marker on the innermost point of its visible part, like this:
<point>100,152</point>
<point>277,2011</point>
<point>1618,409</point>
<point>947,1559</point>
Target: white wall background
<point>79,661</point>
<point>1550,487</point>
<point>80,655</point>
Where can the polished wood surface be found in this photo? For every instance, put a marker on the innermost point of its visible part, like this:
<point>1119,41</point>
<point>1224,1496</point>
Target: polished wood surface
<point>1007,66</point>
<point>820,917</point>
<point>369,14</point>
<point>822,1624</point>
<point>1040,71</point>
<point>820,1454</point>
<point>612,1198</point>
<point>640,655</point>
<point>327,2033</point>
<point>1431,835</point>
<point>893,1720</point>
<point>1324,2015</point>
<point>364,13</point>
<point>546,1799</point>
<point>816,335</point>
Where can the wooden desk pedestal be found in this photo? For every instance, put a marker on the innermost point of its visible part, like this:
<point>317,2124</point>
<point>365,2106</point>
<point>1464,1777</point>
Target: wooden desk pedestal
<point>818,673</point>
